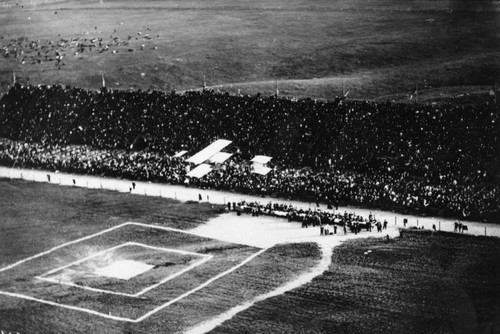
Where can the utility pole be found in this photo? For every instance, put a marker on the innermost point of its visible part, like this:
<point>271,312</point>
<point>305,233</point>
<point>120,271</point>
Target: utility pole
<point>497,94</point>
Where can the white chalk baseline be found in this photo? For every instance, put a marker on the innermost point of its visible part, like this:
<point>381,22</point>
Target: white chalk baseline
<point>110,316</point>
<point>204,259</point>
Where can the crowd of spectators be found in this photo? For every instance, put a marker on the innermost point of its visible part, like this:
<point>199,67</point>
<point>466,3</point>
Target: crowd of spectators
<point>325,219</point>
<point>440,160</point>
<point>27,51</point>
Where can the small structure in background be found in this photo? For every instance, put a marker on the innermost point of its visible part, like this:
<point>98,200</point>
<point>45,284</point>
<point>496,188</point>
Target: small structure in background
<point>259,164</point>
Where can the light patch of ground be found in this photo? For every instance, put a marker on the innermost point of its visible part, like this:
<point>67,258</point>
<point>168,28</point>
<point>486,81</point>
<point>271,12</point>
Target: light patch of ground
<point>262,231</point>
<point>265,232</point>
<point>125,269</point>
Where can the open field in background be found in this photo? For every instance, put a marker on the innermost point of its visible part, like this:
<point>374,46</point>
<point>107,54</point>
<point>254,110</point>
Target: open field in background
<point>37,217</point>
<point>376,48</point>
<point>418,283</point>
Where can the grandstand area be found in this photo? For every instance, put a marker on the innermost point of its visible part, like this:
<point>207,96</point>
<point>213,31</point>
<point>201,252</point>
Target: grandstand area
<point>435,160</point>
<point>227,166</point>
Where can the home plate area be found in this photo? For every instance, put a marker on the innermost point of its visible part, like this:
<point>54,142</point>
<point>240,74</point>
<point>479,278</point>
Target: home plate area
<point>127,272</point>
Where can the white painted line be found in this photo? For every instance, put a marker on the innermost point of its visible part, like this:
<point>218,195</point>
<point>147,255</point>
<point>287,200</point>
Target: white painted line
<point>84,259</point>
<point>75,308</point>
<point>62,245</point>
<point>90,237</point>
<point>52,280</point>
<point>201,286</point>
<point>159,308</point>
<point>206,257</point>
<point>173,276</point>
<point>171,250</point>
<point>163,228</point>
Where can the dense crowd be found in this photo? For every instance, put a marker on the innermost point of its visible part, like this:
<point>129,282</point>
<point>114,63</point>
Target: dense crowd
<point>421,158</point>
<point>327,220</point>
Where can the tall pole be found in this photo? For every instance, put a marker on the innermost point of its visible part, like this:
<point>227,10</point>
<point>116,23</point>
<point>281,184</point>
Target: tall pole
<point>496,93</point>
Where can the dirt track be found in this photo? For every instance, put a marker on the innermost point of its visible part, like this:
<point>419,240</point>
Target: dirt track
<point>183,193</point>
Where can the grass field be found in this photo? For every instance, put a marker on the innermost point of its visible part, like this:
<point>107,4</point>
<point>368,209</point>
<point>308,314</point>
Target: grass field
<point>40,218</point>
<point>377,48</point>
<point>419,283</point>
<point>66,216</point>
